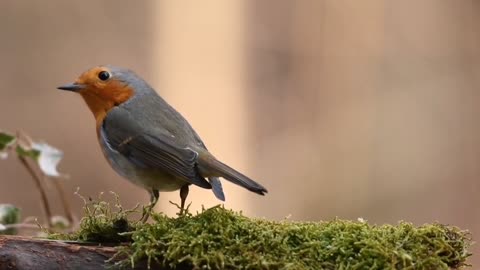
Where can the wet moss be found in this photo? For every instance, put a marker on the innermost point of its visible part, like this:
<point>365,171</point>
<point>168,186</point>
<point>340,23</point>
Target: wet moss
<point>218,238</point>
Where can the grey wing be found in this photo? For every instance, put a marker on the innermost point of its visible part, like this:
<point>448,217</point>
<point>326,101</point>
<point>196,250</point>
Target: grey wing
<point>154,149</point>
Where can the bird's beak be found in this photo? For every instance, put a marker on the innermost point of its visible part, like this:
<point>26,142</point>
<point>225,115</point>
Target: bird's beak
<point>74,87</point>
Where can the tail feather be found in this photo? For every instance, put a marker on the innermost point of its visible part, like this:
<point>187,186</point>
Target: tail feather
<point>217,188</point>
<point>212,167</point>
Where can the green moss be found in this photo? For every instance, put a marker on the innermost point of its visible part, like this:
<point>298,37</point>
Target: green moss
<point>219,238</point>
<point>102,223</point>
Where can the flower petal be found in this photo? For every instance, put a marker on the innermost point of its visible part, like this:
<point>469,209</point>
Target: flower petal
<point>48,159</point>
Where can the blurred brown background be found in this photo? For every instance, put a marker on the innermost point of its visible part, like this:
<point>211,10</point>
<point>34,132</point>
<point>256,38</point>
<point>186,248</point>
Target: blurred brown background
<point>340,108</point>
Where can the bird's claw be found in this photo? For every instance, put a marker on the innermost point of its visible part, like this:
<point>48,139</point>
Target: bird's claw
<point>183,210</point>
<point>147,210</point>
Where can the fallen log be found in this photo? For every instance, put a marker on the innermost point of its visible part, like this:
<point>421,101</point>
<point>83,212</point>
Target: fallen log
<point>18,252</point>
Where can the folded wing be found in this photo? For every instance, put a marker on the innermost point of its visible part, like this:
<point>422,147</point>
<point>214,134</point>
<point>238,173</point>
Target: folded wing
<point>150,149</point>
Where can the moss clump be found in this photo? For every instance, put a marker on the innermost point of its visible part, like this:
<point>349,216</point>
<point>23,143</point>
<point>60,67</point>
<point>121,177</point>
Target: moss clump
<point>222,239</point>
<point>101,223</point>
<point>218,238</point>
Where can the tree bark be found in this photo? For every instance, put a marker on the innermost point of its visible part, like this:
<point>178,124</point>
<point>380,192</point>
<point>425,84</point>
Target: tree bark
<point>17,252</point>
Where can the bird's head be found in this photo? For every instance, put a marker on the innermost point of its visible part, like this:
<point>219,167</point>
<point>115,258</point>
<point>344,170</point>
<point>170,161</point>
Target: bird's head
<point>105,87</point>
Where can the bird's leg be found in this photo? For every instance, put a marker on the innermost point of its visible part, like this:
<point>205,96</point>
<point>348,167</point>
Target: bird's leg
<point>154,194</point>
<point>183,197</point>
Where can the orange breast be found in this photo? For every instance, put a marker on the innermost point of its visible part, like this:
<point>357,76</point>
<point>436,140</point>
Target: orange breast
<point>100,101</point>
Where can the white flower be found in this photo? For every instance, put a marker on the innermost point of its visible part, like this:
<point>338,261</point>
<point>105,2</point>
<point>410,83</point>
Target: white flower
<point>48,159</point>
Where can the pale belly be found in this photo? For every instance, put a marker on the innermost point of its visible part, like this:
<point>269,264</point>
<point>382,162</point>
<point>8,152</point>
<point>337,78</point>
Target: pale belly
<point>146,178</point>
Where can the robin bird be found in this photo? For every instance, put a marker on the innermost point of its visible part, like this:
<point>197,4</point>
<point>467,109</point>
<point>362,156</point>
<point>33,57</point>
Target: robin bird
<point>147,141</point>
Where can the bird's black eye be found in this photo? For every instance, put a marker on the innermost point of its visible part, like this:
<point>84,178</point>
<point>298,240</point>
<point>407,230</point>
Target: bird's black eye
<point>103,75</point>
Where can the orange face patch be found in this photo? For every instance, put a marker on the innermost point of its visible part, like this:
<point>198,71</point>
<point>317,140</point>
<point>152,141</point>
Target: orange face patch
<point>102,95</point>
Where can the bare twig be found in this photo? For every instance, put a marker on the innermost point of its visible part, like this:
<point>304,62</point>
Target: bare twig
<point>66,205</point>
<point>41,190</point>
<point>21,226</point>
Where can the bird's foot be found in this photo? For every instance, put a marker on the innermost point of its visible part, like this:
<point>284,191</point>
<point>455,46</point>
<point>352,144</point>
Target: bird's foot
<point>147,210</point>
<point>183,210</point>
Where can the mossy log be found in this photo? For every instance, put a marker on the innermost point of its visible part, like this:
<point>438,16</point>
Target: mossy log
<point>218,238</point>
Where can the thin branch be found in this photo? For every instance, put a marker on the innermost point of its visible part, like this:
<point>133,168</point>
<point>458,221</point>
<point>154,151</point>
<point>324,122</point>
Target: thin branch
<point>66,205</point>
<point>41,190</point>
<point>21,226</point>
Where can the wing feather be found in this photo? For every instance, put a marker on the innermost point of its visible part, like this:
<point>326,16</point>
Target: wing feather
<point>155,149</point>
